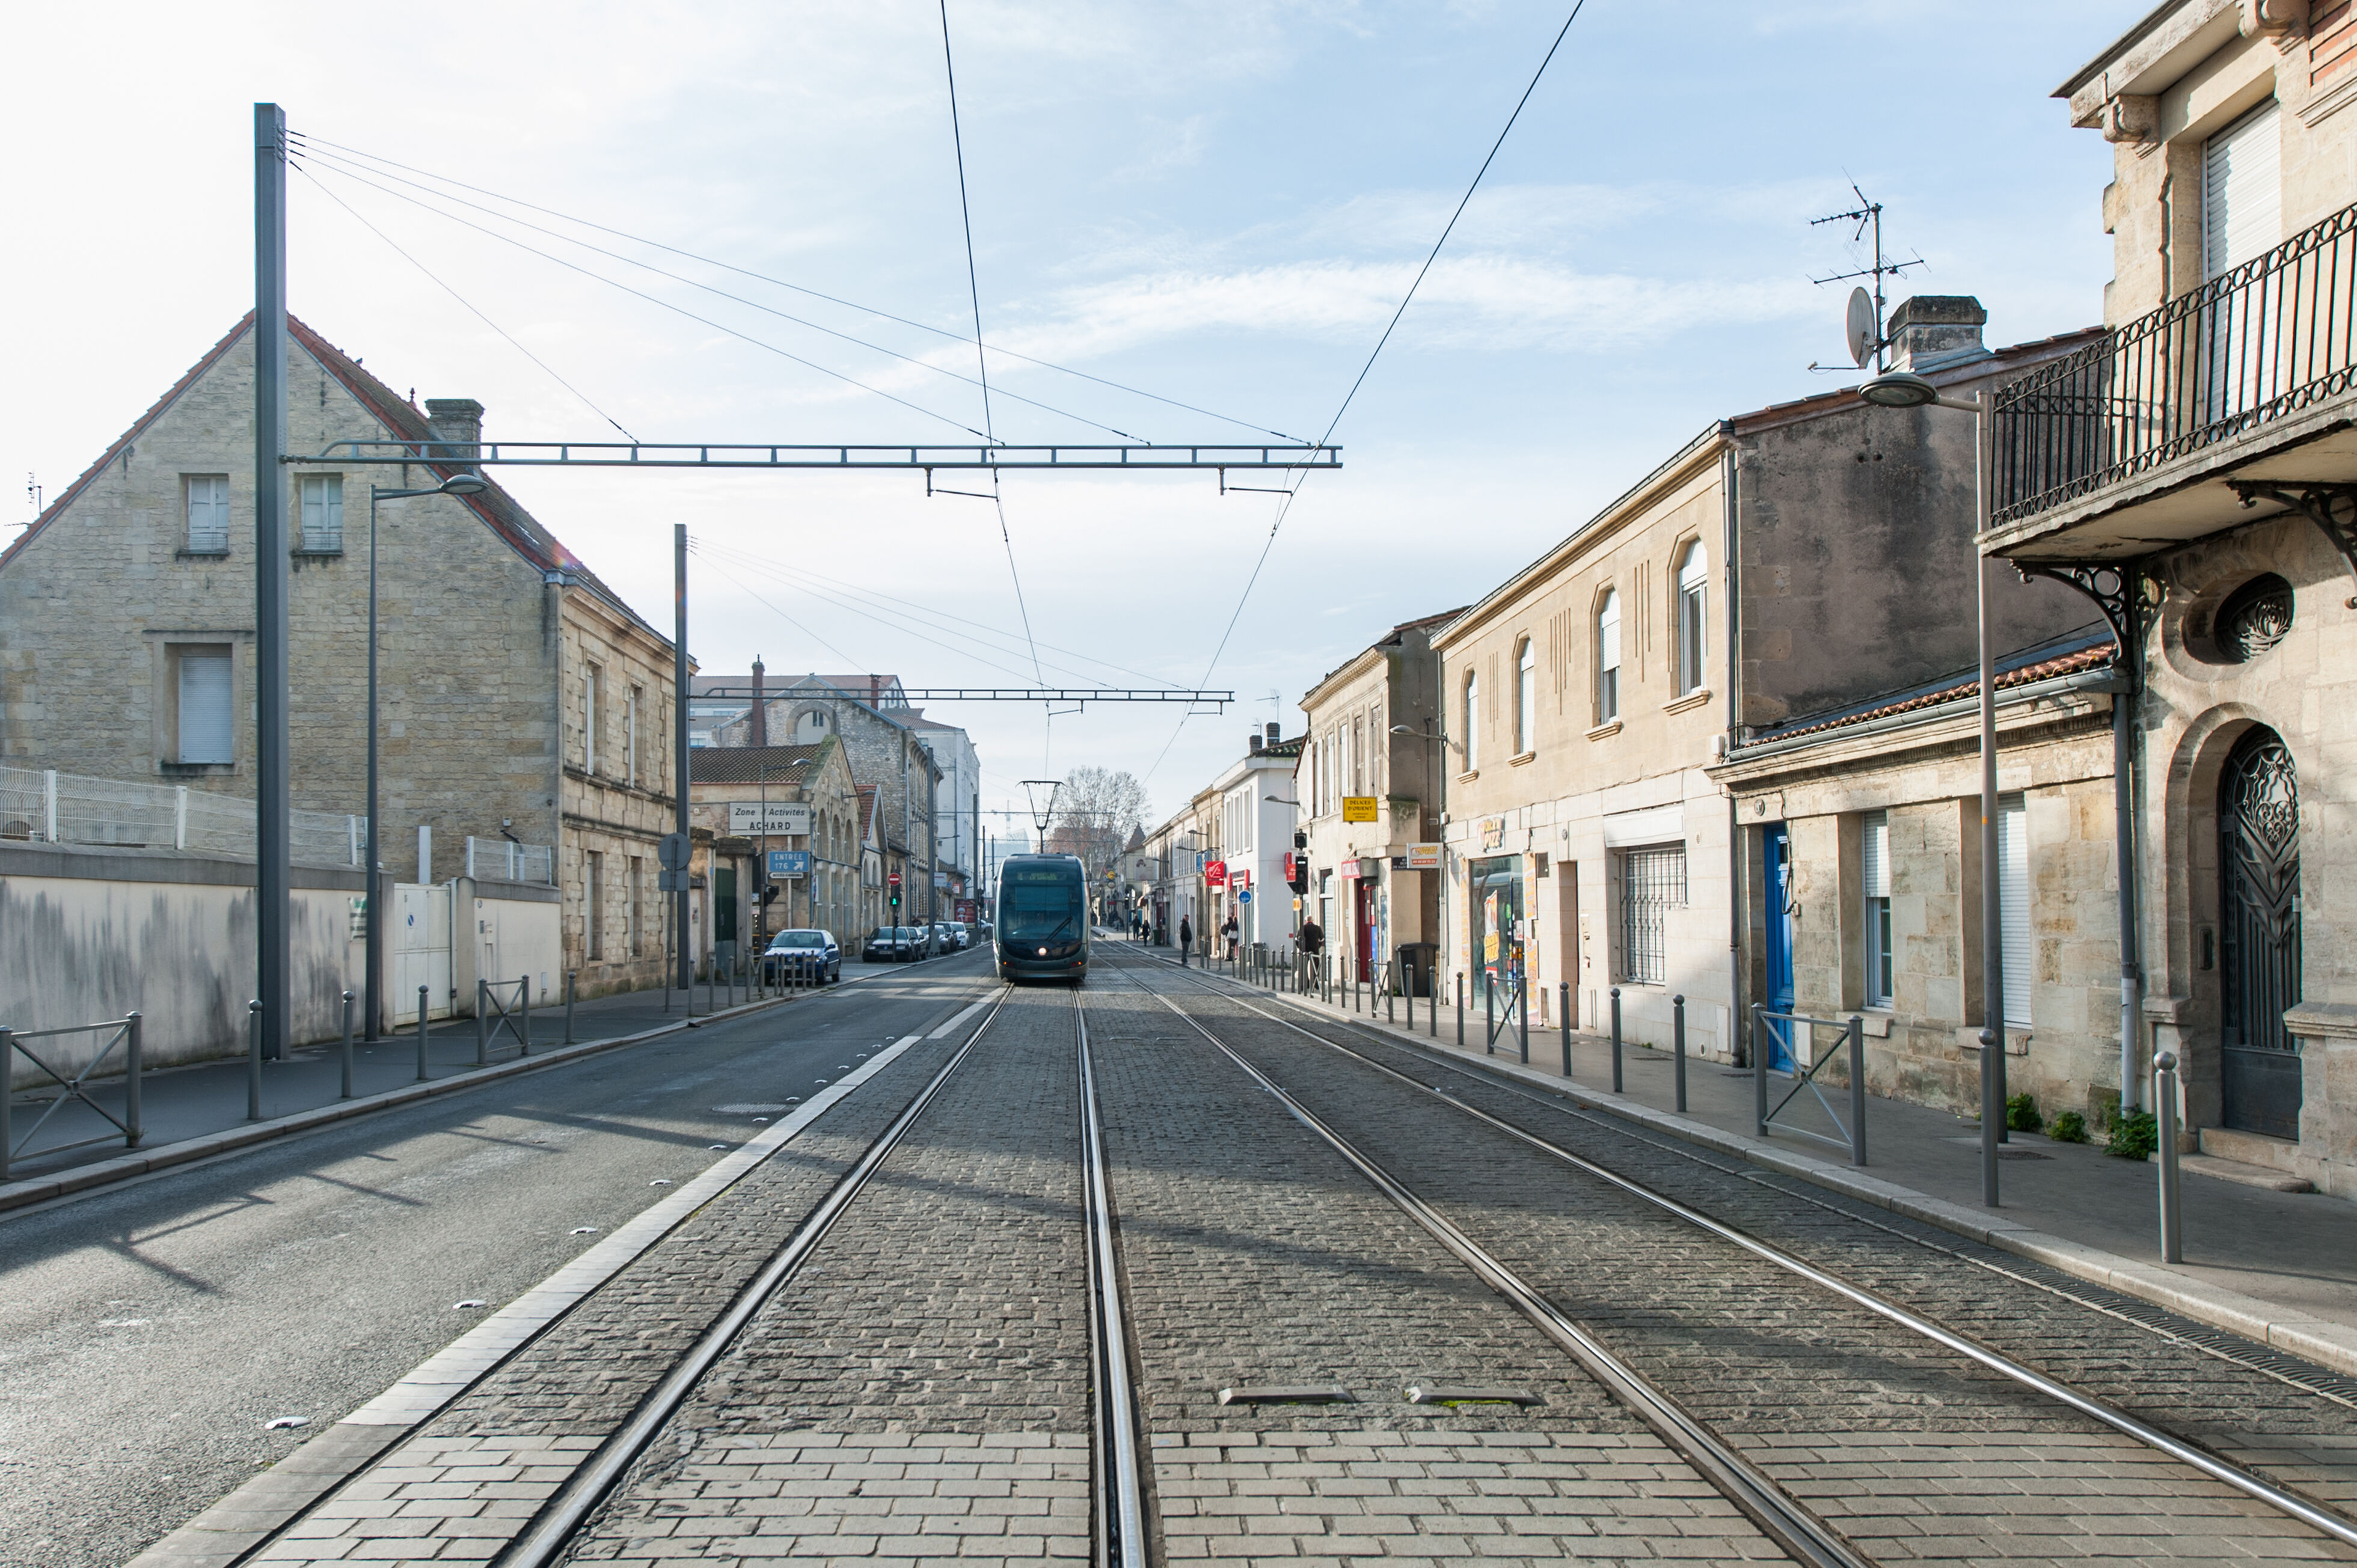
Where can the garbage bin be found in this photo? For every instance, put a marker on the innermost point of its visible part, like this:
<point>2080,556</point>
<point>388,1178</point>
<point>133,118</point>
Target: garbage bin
<point>1418,960</point>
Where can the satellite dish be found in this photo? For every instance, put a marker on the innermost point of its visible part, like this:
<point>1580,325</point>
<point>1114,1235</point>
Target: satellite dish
<point>1864,331</point>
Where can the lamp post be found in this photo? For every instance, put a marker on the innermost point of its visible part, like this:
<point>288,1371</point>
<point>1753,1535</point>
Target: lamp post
<point>1902,388</point>
<point>372,984</point>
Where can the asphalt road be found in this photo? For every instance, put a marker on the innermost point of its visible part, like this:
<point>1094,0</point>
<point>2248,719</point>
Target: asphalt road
<point>150,1333</point>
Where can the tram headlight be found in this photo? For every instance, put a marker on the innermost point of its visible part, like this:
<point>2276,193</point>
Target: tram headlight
<point>1043,952</point>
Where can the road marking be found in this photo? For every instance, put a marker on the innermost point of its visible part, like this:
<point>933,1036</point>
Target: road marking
<point>949,1028</point>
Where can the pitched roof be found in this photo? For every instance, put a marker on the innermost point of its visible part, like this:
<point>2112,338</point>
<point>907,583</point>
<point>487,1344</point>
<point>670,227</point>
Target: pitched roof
<point>2088,648</point>
<point>867,795</point>
<point>499,510</point>
<point>743,763</point>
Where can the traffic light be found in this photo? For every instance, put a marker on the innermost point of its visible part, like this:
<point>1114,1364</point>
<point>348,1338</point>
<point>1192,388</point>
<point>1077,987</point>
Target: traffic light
<point>896,897</point>
<point>1297,872</point>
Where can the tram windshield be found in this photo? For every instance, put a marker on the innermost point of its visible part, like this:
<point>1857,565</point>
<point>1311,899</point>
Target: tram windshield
<point>1039,906</point>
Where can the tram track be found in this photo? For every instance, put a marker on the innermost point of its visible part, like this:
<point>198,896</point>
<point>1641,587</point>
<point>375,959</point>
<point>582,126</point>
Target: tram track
<point>2306,1511</point>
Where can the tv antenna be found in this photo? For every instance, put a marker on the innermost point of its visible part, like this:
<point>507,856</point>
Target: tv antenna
<point>1863,325</point>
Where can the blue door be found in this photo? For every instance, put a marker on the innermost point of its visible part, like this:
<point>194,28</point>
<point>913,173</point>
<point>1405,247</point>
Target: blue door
<point>1777,845</point>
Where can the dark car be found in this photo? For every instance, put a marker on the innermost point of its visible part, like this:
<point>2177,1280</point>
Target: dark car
<point>802,958</point>
<point>892,944</point>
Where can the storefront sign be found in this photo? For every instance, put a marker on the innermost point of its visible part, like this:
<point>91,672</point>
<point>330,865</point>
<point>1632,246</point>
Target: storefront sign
<point>1358,808</point>
<point>785,819</point>
<point>1215,873</point>
<point>1493,831</point>
<point>1240,879</point>
<point>1424,857</point>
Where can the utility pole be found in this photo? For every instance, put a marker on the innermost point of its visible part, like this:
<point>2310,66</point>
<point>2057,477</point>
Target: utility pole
<point>686,960</point>
<point>274,986</point>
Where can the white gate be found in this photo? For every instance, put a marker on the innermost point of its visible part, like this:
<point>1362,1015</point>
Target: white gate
<point>421,952</point>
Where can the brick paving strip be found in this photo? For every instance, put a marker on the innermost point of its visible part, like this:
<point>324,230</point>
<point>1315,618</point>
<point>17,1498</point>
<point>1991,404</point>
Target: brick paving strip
<point>1901,1445</point>
<point>649,1286</point>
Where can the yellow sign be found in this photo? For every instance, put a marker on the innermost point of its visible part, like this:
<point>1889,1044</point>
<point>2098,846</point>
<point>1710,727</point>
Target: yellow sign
<point>1358,808</point>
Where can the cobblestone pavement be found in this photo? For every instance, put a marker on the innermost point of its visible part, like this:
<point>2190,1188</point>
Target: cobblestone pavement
<point>1915,1453</point>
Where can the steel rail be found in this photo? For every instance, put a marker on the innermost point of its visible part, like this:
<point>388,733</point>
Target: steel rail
<point>1780,1517</point>
<point>552,1529</point>
<point>1120,1487</point>
<point>2330,1523</point>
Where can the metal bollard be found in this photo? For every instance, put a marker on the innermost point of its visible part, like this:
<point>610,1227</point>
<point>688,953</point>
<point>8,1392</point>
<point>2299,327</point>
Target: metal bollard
<point>134,1058</point>
<point>2164,1106</point>
<point>253,1061</point>
<point>1460,1012</point>
<point>347,1093</point>
<point>420,1033</point>
<point>523,992</point>
<point>1390,1005</point>
<point>1615,1039</point>
<point>1522,995</point>
<point>568,1001</point>
<point>1489,1013</point>
<point>7,1097</point>
<point>1759,1075</point>
<point>483,1023</point>
<point>1563,1021</point>
<point>1678,1044</point>
<point>1856,1090</point>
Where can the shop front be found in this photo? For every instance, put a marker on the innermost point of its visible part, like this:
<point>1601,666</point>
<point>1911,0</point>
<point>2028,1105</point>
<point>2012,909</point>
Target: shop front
<point>1495,892</point>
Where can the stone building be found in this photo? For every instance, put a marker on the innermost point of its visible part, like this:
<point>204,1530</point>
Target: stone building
<point>812,804</point>
<point>2196,468</point>
<point>521,697</point>
<point>1798,561</point>
<point>1366,897</point>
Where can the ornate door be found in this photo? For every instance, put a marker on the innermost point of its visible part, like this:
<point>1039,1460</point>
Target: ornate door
<point>2259,926</point>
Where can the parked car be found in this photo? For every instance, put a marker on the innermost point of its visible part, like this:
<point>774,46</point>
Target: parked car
<point>805,958</point>
<point>892,944</point>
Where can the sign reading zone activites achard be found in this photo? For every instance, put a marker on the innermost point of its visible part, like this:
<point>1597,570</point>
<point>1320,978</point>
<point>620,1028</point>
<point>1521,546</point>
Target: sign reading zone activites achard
<point>785,819</point>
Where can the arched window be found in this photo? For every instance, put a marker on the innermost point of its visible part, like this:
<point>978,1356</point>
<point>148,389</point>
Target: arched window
<point>1607,658</point>
<point>1472,721</point>
<point>1694,585</point>
<point>1526,697</point>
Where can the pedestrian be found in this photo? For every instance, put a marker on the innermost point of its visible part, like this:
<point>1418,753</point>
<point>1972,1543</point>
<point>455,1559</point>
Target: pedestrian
<point>1233,938</point>
<point>1313,937</point>
<point>1186,939</point>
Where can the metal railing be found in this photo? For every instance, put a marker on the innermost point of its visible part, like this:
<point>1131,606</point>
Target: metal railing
<point>46,806</point>
<point>1793,1031</point>
<point>2254,344</point>
<point>1516,1014</point>
<point>505,860</point>
<point>11,1046</point>
<point>502,1004</point>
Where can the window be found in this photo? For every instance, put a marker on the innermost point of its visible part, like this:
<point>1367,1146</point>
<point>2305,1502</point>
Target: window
<point>1358,757</point>
<point>636,928</point>
<point>1472,721</point>
<point>631,723</point>
<point>323,513</point>
<point>207,497</point>
<point>592,693</point>
<point>1608,658</point>
<point>1875,869</point>
<point>1693,586</point>
<point>2014,953</point>
<point>593,873</point>
<point>1526,697</point>
<point>1652,882</point>
<point>206,710</point>
<point>2241,191</point>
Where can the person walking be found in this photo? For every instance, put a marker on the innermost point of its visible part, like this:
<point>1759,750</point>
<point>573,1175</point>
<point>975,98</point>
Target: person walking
<point>1230,933</point>
<point>1186,939</point>
<point>1313,945</point>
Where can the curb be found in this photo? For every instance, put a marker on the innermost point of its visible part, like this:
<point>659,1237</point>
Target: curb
<point>123,1167</point>
<point>2328,1344</point>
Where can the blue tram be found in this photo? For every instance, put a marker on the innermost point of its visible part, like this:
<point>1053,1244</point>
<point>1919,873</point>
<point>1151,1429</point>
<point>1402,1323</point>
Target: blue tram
<point>1043,919</point>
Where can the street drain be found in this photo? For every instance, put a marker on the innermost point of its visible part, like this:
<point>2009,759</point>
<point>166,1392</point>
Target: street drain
<point>1442,1394</point>
<point>1286,1394</point>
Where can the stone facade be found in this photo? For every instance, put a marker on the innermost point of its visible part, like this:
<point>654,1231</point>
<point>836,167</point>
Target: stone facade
<point>818,777</point>
<point>485,626</point>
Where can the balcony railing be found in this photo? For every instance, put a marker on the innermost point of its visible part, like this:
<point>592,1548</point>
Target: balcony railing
<point>2251,345</point>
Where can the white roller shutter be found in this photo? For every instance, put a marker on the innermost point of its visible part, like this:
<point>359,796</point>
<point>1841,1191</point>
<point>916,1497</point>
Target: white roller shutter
<point>1877,857</point>
<point>2013,905</point>
<point>205,707</point>
<point>2241,191</point>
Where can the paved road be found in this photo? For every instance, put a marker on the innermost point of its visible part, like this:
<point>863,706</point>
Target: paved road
<point>147,1333</point>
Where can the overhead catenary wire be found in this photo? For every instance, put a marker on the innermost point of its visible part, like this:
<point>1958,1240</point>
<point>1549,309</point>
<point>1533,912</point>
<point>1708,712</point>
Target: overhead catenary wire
<point>477,310</point>
<point>1300,473</point>
<point>880,313</point>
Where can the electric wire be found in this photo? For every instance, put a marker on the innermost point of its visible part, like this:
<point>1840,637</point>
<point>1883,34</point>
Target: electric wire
<point>880,315</point>
<point>982,359</point>
<point>1301,474</point>
<point>296,166</point>
<point>346,165</point>
<point>662,302</point>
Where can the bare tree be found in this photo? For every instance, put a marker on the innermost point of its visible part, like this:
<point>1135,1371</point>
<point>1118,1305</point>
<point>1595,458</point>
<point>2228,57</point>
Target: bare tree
<point>1096,812</point>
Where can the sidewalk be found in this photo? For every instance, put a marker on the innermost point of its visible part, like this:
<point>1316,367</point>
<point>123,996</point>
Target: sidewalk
<point>190,1113</point>
<point>2278,1267</point>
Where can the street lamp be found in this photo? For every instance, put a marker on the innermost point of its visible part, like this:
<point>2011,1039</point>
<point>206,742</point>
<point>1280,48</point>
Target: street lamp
<point>1902,388</point>
<point>372,982</point>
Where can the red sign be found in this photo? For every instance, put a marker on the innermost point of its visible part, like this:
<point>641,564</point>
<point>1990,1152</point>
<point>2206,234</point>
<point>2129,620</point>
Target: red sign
<point>1240,879</point>
<point>1215,873</point>
<point>965,909</point>
<point>893,879</point>
<point>1292,867</point>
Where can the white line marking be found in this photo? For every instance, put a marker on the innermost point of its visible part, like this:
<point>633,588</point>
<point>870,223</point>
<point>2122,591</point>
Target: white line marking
<point>946,1030</point>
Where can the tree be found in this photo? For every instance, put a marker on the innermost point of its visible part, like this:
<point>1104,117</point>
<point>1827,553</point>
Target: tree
<point>1096,812</point>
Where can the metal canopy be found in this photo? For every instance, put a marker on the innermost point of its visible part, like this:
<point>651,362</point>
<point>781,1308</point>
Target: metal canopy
<point>974,694</point>
<point>756,454</point>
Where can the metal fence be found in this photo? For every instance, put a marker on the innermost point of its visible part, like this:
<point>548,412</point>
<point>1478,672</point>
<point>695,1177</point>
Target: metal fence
<point>45,806</point>
<point>61,1091</point>
<point>505,860</point>
<point>2254,344</point>
<point>1791,1038</point>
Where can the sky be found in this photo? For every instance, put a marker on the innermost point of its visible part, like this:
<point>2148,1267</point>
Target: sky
<point>1220,203</point>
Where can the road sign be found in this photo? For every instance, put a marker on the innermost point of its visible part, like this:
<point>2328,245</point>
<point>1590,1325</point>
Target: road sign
<point>789,863</point>
<point>1245,897</point>
<point>1358,808</point>
<point>893,879</point>
<point>785,819</point>
<point>672,854</point>
<point>667,881</point>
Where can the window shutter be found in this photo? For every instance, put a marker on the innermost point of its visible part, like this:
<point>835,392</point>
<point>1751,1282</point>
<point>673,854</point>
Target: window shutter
<point>2013,905</point>
<point>1876,859</point>
<point>2241,191</point>
<point>207,512</point>
<point>205,708</point>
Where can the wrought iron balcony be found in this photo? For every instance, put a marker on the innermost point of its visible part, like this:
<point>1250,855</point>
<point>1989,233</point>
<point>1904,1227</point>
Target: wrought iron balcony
<point>2254,347</point>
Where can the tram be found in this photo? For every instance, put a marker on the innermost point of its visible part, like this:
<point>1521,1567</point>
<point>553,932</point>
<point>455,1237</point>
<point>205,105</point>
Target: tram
<point>1043,919</point>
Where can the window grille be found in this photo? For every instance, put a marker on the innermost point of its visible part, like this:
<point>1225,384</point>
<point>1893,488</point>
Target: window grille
<point>323,512</point>
<point>207,497</point>
<point>1652,882</point>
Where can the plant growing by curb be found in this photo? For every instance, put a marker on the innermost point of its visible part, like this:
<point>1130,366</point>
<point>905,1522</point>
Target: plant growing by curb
<point>2134,1136</point>
<point>2068,1128</point>
<point>2021,1113</point>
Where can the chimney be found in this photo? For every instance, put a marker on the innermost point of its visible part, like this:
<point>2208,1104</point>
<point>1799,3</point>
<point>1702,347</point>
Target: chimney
<point>457,426</point>
<point>1931,331</point>
<point>1256,742</point>
<point>1275,734</point>
<point>760,735</point>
